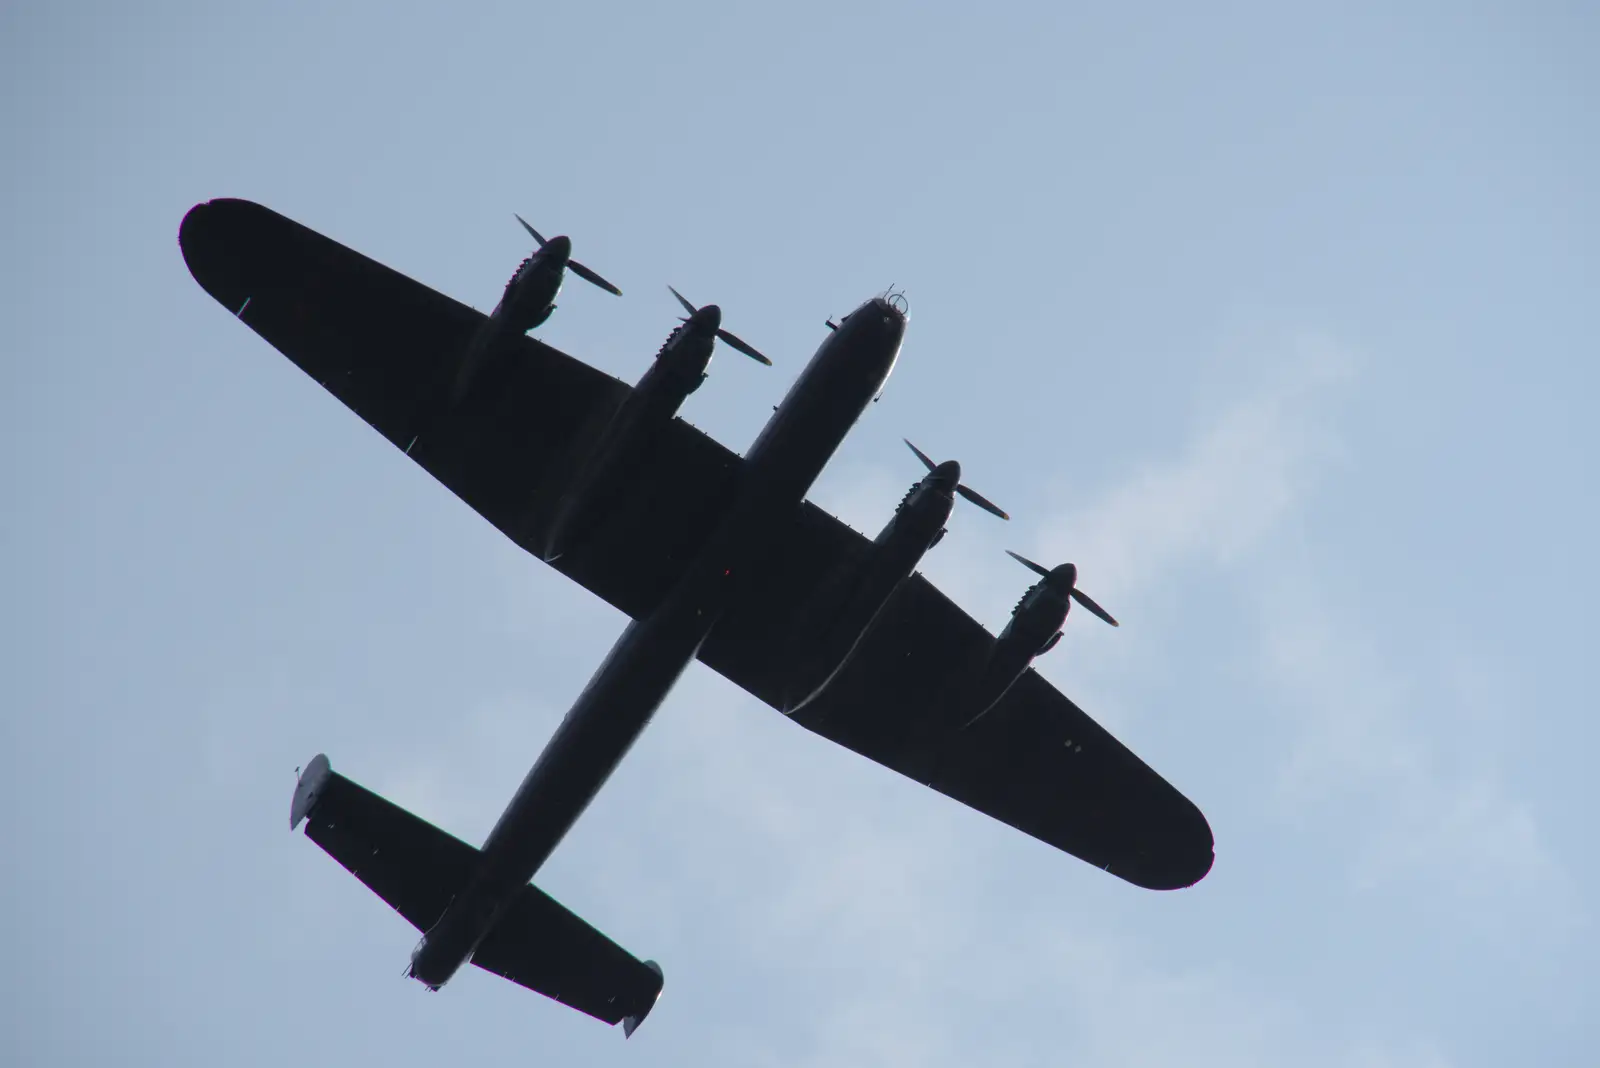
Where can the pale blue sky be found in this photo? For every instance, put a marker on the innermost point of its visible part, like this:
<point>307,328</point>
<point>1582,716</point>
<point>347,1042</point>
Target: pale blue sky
<point>1278,324</point>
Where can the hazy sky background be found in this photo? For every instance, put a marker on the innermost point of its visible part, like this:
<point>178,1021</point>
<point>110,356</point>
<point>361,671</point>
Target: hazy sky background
<point>1279,325</point>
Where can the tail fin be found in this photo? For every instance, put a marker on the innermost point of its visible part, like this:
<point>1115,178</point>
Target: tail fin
<point>418,869</point>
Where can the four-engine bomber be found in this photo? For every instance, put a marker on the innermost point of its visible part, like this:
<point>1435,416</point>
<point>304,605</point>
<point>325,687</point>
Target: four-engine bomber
<point>727,563</point>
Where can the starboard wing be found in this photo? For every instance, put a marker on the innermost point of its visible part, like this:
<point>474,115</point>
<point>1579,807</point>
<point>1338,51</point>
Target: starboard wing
<point>1036,761</point>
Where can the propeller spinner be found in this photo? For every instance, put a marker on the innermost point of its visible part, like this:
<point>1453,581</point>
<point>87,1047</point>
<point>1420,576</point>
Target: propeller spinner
<point>1064,578</point>
<point>727,336</point>
<point>573,265</point>
<point>955,474</point>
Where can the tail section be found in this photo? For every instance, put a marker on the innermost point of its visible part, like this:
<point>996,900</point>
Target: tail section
<point>419,869</point>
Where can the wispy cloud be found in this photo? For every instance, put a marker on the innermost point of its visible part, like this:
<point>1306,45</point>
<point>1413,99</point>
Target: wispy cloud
<point>1229,488</point>
<point>908,943</point>
<point>1391,738</point>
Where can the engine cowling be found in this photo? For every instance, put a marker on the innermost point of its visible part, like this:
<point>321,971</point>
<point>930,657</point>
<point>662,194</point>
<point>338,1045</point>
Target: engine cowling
<point>1034,629</point>
<point>612,465</point>
<point>829,630</point>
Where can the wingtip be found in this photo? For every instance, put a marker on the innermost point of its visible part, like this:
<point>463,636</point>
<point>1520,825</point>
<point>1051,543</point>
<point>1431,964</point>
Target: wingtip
<point>631,1022</point>
<point>308,789</point>
<point>1184,867</point>
<point>1201,869</point>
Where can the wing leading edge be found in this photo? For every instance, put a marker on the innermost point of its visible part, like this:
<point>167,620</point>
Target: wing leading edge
<point>375,338</point>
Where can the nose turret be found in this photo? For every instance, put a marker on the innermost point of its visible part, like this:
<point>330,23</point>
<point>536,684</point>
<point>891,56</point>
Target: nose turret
<point>894,306</point>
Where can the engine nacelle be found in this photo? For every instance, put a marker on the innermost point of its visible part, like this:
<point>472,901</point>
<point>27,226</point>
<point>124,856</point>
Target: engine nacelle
<point>624,445</point>
<point>830,629</point>
<point>1034,630</point>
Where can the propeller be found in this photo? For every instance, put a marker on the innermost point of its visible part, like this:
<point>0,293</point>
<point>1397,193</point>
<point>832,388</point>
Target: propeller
<point>970,494</point>
<point>573,265</point>
<point>727,336</point>
<point>1064,575</point>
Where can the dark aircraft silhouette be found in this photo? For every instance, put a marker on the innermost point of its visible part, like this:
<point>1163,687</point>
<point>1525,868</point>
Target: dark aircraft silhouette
<point>713,556</point>
<point>527,302</point>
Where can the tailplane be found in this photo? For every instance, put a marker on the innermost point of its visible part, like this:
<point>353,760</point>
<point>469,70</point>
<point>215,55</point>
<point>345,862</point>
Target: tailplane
<point>419,869</point>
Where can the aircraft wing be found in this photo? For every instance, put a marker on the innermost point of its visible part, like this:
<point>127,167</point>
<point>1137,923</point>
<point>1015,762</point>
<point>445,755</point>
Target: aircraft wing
<point>1035,761</point>
<point>376,340</point>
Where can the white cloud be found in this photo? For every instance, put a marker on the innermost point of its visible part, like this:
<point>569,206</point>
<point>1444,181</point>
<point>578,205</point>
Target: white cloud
<point>1228,490</point>
<point>1393,743</point>
<point>1360,726</point>
<point>887,909</point>
<point>1212,507</point>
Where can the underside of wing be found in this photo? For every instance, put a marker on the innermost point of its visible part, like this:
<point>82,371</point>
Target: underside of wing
<point>385,345</point>
<point>1035,761</point>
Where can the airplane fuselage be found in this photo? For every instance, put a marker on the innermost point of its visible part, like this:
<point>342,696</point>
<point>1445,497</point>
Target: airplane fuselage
<point>848,370</point>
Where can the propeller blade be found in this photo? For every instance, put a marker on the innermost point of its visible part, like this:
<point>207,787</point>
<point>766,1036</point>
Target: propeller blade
<point>690,308</point>
<point>742,347</point>
<point>589,276</point>
<point>531,230</point>
<point>929,464</point>
<point>1029,564</point>
<point>1088,602</point>
<point>980,500</point>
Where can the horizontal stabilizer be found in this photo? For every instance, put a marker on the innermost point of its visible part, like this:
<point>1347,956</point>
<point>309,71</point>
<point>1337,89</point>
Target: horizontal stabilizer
<point>418,869</point>
<point>541,945</point>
